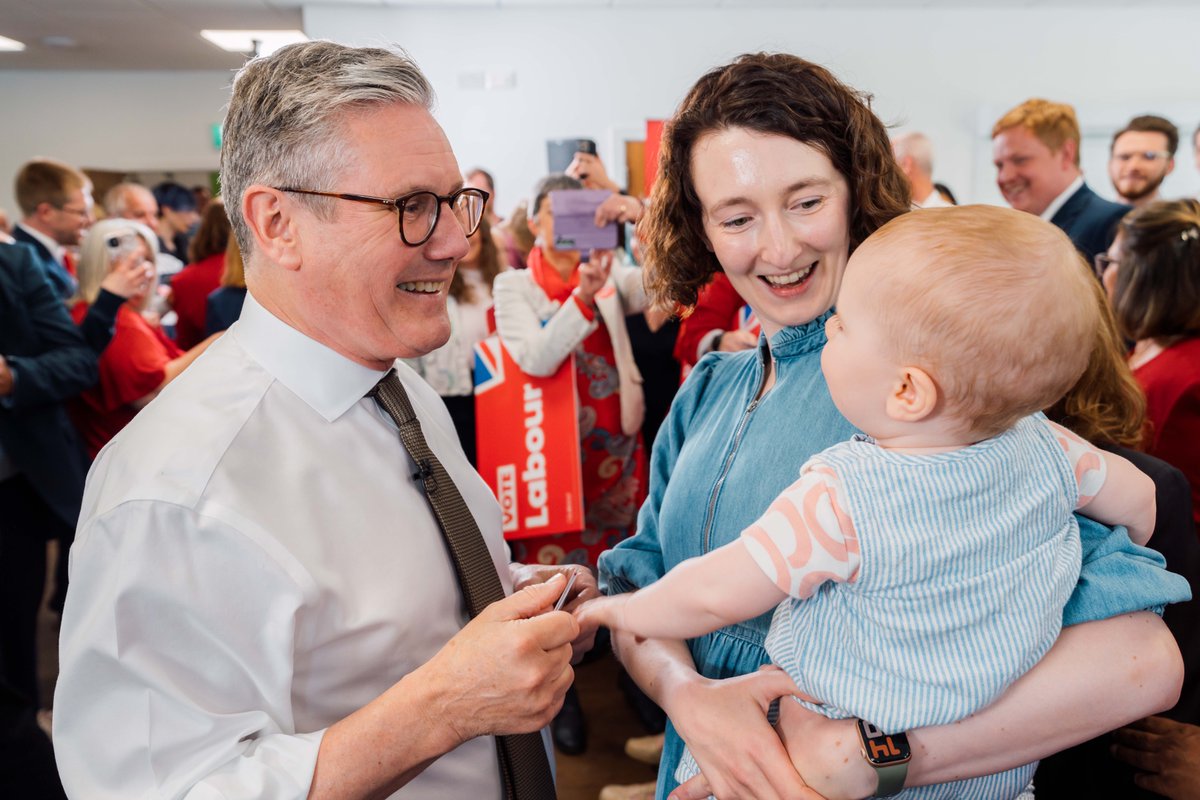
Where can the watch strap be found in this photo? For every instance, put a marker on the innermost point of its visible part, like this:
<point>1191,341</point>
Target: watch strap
<point>891,779</point>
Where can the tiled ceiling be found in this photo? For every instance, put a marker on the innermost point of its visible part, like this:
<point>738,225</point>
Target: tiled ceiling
<point>164,34</point>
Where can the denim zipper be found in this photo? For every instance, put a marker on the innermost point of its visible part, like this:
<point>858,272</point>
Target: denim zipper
<point>765,356</point>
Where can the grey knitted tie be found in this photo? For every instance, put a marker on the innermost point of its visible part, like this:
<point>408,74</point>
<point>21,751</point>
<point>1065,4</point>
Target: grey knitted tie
<point>523,762</point>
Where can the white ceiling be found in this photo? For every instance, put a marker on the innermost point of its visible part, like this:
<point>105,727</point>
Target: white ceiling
<point>164,34</point>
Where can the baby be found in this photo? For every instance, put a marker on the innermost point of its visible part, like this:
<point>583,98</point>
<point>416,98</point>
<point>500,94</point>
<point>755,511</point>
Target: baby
<point>918,570</point>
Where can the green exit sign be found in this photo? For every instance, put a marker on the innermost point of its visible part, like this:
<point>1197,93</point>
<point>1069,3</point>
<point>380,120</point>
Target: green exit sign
<point>216,135</point>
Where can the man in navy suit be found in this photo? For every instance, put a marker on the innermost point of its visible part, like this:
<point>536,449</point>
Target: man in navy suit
<point>1035,148</point>
<point>56,204</point>
<point>44,360</point>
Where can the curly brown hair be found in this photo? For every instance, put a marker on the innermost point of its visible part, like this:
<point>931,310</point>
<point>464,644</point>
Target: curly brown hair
<point>1106,405</point>
<point>773,93</point>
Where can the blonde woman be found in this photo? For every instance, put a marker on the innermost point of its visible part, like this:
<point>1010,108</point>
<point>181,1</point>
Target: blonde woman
<point>140,360</point>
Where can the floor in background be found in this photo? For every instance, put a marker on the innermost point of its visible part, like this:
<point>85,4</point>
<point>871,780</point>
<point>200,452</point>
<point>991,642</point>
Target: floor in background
<point>610,723</point>
<point>609,718</point>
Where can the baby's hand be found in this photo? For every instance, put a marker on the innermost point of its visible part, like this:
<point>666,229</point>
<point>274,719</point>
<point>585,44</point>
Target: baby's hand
<point>604,612</point>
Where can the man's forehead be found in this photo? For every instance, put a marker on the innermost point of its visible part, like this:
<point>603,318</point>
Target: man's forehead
<point>1133,140</point>
<point>403,146</point>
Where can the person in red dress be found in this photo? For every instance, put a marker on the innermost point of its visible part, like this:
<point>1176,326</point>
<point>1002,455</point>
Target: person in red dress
<point>1156,297</point>
<point>191,287</point>
<point>559,306</point>
<point>140,360</point>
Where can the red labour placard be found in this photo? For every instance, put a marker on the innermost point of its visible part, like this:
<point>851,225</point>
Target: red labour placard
<point>527,443</point>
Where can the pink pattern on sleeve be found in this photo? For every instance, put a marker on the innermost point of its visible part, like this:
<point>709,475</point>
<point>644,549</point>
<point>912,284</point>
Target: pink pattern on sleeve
<point>1087,463</point>
<point>806,537</point>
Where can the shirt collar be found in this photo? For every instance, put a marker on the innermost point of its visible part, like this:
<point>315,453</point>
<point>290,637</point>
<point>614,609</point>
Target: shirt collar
<point>326,380</point>
<point>799,339</point>
<point>1062,199</point>
<point>56,250</point>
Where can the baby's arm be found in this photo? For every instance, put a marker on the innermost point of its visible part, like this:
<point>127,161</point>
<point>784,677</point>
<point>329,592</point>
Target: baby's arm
<point>1111,489</point>
<point>700,595</point>
<point>801,541</point>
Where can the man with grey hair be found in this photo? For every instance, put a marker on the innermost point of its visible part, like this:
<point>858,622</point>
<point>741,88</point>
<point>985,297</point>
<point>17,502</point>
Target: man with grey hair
<point>130,200</point>
<point>914,154</point>
<point>288,581</point>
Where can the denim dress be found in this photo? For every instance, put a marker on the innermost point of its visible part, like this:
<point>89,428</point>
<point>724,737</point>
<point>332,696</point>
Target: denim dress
<point>722,456</point>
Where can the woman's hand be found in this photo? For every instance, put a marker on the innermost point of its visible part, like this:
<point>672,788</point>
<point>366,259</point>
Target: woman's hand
<point>725,726</point>
<point>618,208</point>
<point>593,274</point>
<point>130,276</point>
<point>589,170</point>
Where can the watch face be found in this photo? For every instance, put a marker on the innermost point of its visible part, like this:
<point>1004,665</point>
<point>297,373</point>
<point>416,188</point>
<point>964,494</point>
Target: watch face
<point>883,749</point>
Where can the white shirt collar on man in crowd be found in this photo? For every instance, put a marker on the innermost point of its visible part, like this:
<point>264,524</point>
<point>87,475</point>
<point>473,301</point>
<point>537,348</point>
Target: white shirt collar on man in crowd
<point>1062,199</point>
<point>56,249</point>
<point>934,200</point>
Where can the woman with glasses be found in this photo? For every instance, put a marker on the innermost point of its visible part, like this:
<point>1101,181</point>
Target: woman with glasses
<point>1154,281</point>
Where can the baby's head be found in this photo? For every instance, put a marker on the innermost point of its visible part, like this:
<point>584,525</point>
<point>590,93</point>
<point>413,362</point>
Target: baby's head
<point>959,320</point>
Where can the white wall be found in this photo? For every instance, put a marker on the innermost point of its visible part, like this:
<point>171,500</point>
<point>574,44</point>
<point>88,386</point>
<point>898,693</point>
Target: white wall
<point>120,121</point>
<point>601,72</point>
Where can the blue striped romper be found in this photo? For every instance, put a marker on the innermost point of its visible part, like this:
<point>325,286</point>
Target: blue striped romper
<point>965,560</point>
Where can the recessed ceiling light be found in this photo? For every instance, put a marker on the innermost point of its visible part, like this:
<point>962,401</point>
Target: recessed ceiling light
<point>260,43</point>
<point>11,45</point>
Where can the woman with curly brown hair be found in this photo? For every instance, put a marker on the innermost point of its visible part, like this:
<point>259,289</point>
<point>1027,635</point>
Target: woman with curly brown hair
<point>773,172</point>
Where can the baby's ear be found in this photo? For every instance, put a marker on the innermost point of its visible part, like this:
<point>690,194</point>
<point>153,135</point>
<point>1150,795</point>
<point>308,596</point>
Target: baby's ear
<point>913,397</point>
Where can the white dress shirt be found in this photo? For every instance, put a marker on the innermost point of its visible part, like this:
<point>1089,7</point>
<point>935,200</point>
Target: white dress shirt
<point>934,200</point>
<point>56,250</point>
<point>1062,199</point>
<point>253,563</point>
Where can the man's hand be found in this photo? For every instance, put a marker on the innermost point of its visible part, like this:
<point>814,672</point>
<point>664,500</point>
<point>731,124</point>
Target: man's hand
<point>1165,753</point>
<point>6,378</point>
<point>584,589</point>
<point>508,669</point>
<point>130,277</point>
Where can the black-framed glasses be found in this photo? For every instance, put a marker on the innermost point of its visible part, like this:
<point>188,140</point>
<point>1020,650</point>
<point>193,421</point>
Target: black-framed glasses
<point>1101,262</point>
<point>419,211</point>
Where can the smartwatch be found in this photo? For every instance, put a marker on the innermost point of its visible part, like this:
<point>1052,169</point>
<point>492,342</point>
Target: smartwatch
<point>888,754</point>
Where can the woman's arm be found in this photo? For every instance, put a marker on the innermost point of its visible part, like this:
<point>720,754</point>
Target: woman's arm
<point>1098,676</point>
<point>173,368</point>
<point>723,722</point>
<point>538,349</point>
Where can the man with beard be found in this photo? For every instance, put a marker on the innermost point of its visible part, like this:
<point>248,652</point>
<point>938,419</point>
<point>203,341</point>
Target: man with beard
<point>1142,155</point>
<point>1035,148</point>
